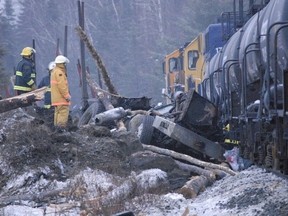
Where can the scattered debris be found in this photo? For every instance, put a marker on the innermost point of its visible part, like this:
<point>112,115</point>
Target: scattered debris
<point>96,171</point>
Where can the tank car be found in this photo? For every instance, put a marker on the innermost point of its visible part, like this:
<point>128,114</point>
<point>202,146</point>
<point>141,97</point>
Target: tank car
<point>248,82</point>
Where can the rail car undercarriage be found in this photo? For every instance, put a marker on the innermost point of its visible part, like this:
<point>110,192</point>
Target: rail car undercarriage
<point>195,123</point>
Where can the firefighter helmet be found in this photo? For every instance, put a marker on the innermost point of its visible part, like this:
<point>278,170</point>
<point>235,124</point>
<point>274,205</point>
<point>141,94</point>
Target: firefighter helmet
<point>51,66</point>
<point>61,59</point>
<point>28,51</point>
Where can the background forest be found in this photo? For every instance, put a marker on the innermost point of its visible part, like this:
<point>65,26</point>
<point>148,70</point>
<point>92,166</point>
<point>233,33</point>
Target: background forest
<point>132,37</point>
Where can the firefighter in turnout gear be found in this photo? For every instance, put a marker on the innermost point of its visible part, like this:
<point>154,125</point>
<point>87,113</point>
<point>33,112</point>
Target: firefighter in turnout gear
<point>60,93</point>
<point>46,82</point>
<point>25,74</point>
<point>47,111</point>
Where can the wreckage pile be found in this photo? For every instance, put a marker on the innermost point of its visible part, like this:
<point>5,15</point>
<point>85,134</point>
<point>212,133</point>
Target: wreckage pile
<point>92,170</point>
<point>44,168</point>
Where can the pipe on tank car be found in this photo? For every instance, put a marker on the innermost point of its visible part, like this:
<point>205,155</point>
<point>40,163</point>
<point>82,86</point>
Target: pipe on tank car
<point>276,68</point>
<point>244,77</point>
<point>227,90</point>
<point>212,81</point>
<point>267,72</point>
<point>220,70</point>
<point>229,100</point>
<point>204,87</point>
<point>224,65</point>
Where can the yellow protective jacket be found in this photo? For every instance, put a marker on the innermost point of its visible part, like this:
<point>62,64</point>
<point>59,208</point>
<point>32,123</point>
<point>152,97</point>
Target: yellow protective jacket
<point>59,86</point>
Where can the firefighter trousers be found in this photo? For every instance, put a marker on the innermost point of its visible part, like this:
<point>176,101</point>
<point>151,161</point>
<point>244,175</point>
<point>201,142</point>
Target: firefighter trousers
<point>61,114</point>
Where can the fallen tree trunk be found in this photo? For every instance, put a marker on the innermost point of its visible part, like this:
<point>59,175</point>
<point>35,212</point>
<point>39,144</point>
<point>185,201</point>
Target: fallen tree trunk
<point>22,100</point>
<point>210,175</point>
<point>187,158</point>
<point>193,187</point>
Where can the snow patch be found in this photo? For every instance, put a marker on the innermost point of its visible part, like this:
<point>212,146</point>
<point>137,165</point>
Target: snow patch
<point>151,178</point>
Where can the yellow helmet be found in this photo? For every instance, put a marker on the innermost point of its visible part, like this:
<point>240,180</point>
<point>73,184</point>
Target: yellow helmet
<point>27,51</point>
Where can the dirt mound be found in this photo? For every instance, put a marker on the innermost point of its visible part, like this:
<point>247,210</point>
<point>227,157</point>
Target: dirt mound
<point>30,143</point>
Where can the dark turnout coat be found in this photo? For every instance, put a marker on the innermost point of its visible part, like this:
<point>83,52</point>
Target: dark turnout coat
<point>25,75</point>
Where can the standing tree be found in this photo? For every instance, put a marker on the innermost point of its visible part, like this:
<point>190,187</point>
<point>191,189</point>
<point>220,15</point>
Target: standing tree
<point>7,23</point>
<point>3,75</point>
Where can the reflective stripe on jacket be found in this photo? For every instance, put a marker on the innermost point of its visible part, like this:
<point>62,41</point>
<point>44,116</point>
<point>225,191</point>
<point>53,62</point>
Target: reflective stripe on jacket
<point>59,86</point>
<point>25,75</point>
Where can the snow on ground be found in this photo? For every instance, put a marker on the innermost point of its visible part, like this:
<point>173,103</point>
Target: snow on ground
<point>252,192</point>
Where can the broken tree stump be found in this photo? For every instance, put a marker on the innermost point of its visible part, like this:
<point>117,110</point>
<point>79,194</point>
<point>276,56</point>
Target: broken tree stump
<point>22,100</point>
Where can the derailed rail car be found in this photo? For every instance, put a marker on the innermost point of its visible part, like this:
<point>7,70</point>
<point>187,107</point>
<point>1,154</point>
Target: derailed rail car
<point>248,82</point>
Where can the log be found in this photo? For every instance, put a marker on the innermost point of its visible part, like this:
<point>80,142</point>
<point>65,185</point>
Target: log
<point>188,158</point>
<point>22,100</point>
<point>210,175</point>
<point>218,173</point>
<point>194,186</point>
